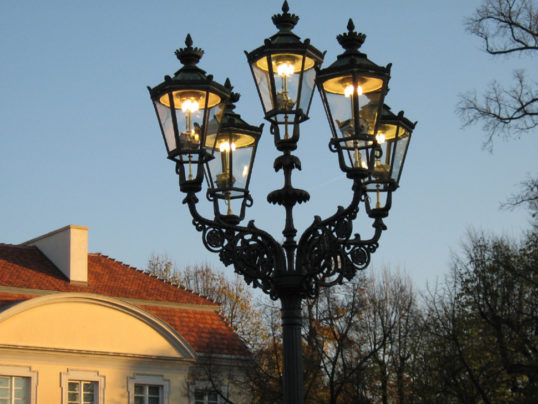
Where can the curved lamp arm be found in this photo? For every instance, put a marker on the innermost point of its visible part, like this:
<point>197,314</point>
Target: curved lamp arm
<point>255,254</point>
<point>328,253</point>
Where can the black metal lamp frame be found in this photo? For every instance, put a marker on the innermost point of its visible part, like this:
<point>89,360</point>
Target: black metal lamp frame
<point>328,253</point>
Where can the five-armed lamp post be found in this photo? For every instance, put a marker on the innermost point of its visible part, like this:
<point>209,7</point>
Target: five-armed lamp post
<point>205,137</point>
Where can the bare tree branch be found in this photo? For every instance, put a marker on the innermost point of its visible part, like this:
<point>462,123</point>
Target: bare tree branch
<point>503,112</point>
<point>506,27</point>
<point>528,195</point>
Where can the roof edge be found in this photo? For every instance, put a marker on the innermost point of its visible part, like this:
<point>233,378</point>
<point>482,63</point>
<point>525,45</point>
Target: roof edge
<point>51,233</point>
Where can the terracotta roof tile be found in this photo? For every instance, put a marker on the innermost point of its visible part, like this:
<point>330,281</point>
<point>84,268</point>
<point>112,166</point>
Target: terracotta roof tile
<point>28,267</point>
<point>205,331</point>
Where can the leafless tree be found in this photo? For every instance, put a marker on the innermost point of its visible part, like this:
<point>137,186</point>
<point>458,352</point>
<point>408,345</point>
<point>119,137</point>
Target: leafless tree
<point>506,27</point>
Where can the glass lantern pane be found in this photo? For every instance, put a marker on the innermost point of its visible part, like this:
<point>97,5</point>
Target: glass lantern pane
<point>263,83</point>
<point>368,110</point>
<point>377,195</point>
<point>167,126</point>
<point>241,166</point>
<point>399,155</point>
<point>341,114</point>
<point>307,90</point>
<point>287,74</point>
<point>357,152</point>
<point>190,114</point>
<point>232,152</point>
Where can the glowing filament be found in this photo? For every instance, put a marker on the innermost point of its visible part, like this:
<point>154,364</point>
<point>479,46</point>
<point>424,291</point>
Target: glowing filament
<point>190,106</point>
<point>225,146</point>
<point>244,173</point>
<point>285,69</point>
<point>380,137</point>
<point>348,91</point>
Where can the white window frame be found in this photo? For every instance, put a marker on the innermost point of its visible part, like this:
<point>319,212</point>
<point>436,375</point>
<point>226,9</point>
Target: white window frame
<point>22,371</point>
<point>150,380</point>
<point>76,375</point>
<point>206,385</point>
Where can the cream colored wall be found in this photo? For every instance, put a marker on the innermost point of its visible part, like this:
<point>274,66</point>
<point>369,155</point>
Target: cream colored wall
<point>109,338</point>
<point>115,371</point>
<point>84,326</point>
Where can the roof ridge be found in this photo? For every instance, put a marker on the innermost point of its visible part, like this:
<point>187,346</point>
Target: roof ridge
<point>21,246</point>
<point>166,281</point>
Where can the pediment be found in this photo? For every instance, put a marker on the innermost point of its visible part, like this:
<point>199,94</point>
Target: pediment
<point>90,323</point>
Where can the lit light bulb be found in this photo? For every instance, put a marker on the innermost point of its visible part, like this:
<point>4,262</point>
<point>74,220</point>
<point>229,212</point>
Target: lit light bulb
<point>190,106</point>
<point>380,137</point>
<point>348,91</point>
<point>285,69</point>
<point>225,146</point>
<point>245,170</point>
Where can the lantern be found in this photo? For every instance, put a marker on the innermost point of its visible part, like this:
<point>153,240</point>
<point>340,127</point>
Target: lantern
<point>284,73</point>
<point>228,172</point>
<point>392,137</point>
<point>185,105</point>
<point>352,91</point>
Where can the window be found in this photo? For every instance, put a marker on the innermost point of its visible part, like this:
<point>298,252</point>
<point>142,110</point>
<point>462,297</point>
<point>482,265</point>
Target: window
<point>147,394</point>
<point>14,390</point>
<point>18,385</point>
<point>203,396</point>
<point>82,387</point>
<point>148,389</point>
<point>204,393</point>
<point>81,392</point>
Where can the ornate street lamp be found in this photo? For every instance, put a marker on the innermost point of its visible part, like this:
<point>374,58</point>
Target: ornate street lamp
<point>371,143</point>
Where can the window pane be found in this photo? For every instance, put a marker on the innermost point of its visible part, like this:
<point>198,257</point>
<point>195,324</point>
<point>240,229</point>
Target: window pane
<point>139,389</point>
<point>88,398</point>
<point>153,400</point>
<point>72,397</point>
<point>139,400</point>
<point>89,387</point>
<point>3,401</point>
<point>154,390</point>
<point>212,397</point>
<point>73,387</point>
<point>4,389</point>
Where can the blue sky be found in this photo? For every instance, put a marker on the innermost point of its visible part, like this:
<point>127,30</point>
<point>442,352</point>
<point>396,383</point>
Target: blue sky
<point>80,143</point>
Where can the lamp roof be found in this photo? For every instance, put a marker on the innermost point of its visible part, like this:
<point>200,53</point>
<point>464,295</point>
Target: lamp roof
<point>352,59</point>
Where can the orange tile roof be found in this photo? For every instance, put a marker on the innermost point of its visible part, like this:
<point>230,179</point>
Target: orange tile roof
<point>27,267</point>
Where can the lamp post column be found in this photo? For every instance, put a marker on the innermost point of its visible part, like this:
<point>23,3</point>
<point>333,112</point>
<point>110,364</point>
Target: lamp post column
<point>292,349</point>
